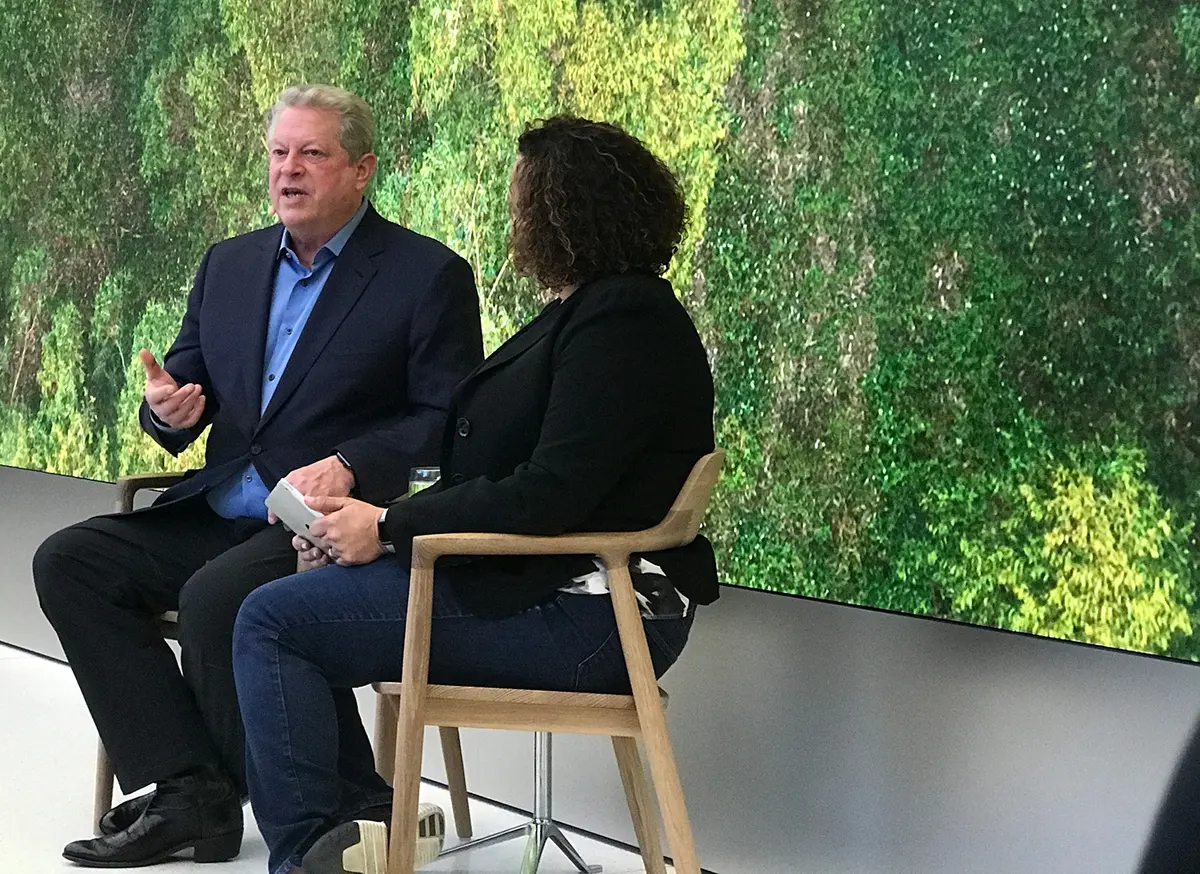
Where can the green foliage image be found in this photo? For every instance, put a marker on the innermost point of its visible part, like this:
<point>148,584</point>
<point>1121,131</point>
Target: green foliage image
<point>944,257</point>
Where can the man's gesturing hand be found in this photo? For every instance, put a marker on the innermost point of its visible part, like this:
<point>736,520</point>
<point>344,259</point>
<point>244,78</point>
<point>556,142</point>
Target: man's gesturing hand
<point>175,405</point>
<point>349,527</point>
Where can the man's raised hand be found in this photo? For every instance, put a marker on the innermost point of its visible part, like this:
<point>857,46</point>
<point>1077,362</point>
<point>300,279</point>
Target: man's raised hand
<point>175,405</point>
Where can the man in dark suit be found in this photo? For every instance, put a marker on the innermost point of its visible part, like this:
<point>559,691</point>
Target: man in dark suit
<point>324,350</point>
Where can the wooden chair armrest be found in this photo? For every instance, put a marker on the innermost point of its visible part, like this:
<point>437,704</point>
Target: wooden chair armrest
<point>128,486</point>
<point>611,547</point>
<point>427,547</point>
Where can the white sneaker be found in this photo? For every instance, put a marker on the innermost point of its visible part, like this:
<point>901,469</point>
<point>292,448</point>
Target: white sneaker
<point>361,847</point>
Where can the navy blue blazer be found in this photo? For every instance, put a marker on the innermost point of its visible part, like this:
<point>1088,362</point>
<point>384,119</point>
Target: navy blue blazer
<point>395,328</point>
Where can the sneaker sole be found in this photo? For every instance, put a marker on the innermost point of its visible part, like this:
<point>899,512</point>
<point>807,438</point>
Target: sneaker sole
<point>361,847</point>
<point>431,833</point>
<point>369,854</point>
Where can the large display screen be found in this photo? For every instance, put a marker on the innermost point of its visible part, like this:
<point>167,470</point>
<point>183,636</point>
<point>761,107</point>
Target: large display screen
<point>945,256</point>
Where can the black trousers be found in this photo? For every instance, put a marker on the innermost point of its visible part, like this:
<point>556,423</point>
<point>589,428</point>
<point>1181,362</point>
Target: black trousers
<point>102,582</point>
<point>1174,843</point>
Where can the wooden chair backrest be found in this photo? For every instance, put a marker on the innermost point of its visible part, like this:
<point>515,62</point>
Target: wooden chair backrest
<point>682,522</point>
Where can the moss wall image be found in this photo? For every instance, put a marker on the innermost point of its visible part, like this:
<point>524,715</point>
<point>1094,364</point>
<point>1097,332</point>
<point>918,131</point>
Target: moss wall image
<point>945,258</point>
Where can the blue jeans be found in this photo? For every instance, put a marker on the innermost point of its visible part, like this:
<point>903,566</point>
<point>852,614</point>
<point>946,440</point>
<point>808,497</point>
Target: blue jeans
<point>302,641</point>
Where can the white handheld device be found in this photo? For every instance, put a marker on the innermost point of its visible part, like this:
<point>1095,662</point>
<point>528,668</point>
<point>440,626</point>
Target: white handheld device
<point>286,502</point>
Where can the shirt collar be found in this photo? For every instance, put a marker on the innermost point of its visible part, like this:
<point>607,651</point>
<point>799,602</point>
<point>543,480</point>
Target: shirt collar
<point>337,242</point>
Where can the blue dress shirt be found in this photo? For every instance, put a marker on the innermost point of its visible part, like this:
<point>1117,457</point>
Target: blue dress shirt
<point>294,294</point>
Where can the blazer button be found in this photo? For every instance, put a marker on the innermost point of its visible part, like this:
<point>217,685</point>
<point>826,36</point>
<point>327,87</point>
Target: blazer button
<point>255,449</point>
<point>458,478</point>
<point>463,427</point>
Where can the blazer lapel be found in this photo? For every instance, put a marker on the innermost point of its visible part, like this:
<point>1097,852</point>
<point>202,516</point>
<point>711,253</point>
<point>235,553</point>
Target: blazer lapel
<point>244,320</point>
<point>351,272</point>
<point>520,341</point>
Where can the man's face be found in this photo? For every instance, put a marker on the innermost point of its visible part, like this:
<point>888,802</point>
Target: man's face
<point>315,187</point>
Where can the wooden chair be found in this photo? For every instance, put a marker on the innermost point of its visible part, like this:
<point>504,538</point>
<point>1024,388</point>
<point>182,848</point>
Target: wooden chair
<point>414,703</point>
<point>127,489</point>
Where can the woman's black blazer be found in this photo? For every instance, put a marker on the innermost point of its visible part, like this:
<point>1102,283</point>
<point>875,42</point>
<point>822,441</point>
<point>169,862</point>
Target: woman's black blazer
<point>588,419</point>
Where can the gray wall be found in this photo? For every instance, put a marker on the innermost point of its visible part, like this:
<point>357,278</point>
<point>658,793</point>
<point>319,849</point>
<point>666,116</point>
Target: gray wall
<point>820,738</point>
<point>33,506</point>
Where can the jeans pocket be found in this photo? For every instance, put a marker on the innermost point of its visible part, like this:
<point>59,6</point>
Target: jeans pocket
<point>666,638</point>
<point>604,669</point>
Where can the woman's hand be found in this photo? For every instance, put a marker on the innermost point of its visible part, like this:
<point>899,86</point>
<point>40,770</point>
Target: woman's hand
<point>349,527</point>
<point>311,555</point>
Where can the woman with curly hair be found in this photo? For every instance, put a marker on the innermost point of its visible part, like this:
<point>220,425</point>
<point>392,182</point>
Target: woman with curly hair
<point>588,419</point>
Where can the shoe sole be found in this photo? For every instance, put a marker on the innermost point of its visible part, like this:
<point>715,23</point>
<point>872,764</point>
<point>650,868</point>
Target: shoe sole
<point>431,834</point>
<point>369,854</point>
<point>361,847</point>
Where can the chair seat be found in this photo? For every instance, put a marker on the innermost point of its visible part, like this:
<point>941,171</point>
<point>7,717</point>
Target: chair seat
<point>528,709</point>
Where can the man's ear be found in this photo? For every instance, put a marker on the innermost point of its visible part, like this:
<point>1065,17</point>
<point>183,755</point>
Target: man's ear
<point>365,170</point>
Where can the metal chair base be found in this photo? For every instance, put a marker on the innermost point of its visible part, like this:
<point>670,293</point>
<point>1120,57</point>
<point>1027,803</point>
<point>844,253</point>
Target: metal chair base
<point>540,830</point>
<point>537,835</point>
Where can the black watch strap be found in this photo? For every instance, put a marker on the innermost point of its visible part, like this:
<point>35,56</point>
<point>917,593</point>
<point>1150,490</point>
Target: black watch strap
<point>381,532</point>
<point>353,489</point>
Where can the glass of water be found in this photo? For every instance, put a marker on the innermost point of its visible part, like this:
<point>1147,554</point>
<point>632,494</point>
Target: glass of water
<point>421,478</point>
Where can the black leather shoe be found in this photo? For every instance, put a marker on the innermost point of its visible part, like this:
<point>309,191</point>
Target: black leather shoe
<point>127,812</point>
<point>124,814</point>
<point>202,813</point>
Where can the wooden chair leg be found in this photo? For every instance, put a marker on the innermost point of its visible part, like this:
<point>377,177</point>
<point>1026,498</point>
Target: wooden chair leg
<point>410,738</point>
<point>102,798</point>
<point>637,793</point>
<point>410,732</point>
<point>667,785</point>
<point>456,779</point>
<point>653,720</point>
<point>386,716</point>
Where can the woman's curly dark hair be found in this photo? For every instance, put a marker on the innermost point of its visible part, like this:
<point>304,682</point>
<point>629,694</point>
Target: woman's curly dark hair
<point>589,200</point>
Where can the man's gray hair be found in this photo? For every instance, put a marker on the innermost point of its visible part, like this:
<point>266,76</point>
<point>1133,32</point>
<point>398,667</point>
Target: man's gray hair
<point>357,134</point>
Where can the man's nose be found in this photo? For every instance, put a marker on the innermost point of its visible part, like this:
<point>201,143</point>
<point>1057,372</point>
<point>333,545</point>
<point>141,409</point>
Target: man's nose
<point>291,164</point>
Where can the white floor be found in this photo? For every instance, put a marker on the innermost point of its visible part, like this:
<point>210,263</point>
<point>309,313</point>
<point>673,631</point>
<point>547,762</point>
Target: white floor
<point>47,761</point>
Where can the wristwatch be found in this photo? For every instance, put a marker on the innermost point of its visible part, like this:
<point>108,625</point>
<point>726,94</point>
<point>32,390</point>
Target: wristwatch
<point>381,533</point>
<point>353,476</point>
